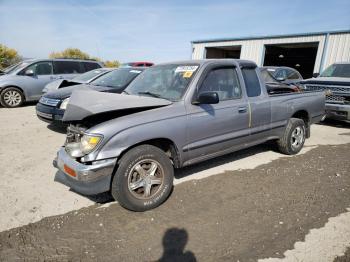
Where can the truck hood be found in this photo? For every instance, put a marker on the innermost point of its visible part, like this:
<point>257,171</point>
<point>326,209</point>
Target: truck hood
<point>327,81</point>
<point>98,106</point>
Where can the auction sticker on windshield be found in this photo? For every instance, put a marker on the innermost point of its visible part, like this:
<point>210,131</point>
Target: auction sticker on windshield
<point>180,69</point>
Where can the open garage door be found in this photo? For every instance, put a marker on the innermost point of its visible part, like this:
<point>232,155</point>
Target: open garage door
<point>223,52</point>
<point>301,56</point>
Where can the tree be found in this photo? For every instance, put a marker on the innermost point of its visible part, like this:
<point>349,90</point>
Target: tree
<point>114,63</point>
<point>8,56</point>
<point>70,53</point>
<point>78,54</point>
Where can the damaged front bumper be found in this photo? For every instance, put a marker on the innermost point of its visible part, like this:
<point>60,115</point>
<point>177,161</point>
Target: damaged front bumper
<point>86,179</point>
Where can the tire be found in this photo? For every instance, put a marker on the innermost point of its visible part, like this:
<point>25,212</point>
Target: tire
<point>11,97</point>
<point>293,138</point>
<point>134,186</point>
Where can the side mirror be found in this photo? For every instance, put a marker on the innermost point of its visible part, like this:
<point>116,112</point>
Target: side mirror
<point>29,72</point>
<point>315,75</point>
<point>208,98</point>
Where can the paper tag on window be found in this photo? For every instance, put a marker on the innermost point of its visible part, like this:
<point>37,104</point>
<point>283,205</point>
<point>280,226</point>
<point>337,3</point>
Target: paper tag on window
<point>186,69</point>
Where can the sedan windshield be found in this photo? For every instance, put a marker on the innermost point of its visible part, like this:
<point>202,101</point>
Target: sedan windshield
<point>337,70</point>
<point>164,81</point>
<point>86,77</point>
<point>118,78</point>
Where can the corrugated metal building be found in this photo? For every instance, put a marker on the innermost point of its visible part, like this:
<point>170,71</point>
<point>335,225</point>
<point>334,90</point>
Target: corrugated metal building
<point>309,53</point>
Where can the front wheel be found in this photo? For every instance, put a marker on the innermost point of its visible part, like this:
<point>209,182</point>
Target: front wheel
<point>11,97</point>
<point>293,138</point>
<point>144,178</point>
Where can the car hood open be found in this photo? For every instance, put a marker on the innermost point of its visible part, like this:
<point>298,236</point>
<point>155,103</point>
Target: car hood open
<point>85,104</point>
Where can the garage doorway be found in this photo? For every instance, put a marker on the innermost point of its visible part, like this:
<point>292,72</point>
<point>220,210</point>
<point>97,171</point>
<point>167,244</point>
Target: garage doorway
<point>301,56</point>
<point>223,52</point>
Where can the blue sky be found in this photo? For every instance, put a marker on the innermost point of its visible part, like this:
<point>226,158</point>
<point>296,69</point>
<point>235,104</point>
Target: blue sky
<point>157,31</point>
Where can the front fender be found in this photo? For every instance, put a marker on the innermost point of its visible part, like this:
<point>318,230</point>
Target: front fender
<point>173,129</point>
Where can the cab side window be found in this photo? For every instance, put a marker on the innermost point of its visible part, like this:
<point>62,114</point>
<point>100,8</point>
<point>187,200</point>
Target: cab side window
<point>223,81</point>
<point>251,81</point>
<point>41,68</point>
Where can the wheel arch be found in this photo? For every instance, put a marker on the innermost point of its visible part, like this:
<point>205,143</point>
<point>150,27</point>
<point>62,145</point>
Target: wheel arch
<point>165,144</point>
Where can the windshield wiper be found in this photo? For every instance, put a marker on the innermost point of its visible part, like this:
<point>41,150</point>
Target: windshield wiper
<point>150,93</point>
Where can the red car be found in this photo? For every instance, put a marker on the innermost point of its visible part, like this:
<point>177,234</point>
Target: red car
<point>137,64</point>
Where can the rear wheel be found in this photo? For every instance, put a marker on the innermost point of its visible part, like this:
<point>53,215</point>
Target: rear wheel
<point>11,97</point>
<point>144,178</point>
<point>293,138</point>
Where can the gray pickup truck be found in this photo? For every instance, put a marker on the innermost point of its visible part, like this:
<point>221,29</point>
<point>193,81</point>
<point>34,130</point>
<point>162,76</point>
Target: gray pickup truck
<point>174,115</point>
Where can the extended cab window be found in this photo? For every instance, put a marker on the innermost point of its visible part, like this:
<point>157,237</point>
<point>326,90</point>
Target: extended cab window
<point>251,81</point>
<point>67,67</point>
<point>41,68</point>
<point>223,81</point>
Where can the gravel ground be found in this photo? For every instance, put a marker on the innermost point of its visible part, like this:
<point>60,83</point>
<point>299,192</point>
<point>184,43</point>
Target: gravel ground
<point>234,216</point>
<point>29,193</point>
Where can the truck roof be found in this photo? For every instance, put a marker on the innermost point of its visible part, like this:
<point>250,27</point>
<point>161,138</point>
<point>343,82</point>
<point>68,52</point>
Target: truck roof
<point>239,62</point>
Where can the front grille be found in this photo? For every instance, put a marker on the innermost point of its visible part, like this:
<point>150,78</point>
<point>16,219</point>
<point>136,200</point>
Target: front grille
<point>336,89</point>
<point>339,94</point>
<point>336,99</point>
<point>49,101</point>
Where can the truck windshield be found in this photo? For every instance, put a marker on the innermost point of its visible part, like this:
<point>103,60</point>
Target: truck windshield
<point>168,81</point>
<point>337,70</point>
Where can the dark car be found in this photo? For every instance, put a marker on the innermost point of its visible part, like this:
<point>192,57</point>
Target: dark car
<point>85,78</point>
<point>281,79</point>
<point>52,105</point>
<point>137,64</point>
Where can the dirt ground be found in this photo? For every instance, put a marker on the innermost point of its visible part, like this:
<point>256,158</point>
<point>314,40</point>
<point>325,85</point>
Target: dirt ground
<point>250,205</point>
<point>242,216</point>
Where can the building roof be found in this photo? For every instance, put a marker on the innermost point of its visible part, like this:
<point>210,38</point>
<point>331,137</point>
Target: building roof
<point>269,36</point>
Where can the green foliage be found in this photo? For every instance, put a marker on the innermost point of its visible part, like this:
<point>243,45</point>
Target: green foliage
<point>114,63</point>
<point>70,53</point>
<point>78,54</point>
<point>8,56</point>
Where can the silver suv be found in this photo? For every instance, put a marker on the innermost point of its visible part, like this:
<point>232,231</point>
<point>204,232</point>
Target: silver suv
<point>26,80</point>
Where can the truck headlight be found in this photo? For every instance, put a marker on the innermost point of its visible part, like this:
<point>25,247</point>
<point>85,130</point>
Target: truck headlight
<point>64,103</point>
<point>89,143</point>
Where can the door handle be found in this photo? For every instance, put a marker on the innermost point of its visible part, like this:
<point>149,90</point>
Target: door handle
<point>56,77</point>
<point>242,109</point>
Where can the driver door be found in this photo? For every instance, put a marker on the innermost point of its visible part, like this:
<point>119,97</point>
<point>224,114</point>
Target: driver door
<point>215,128</point>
